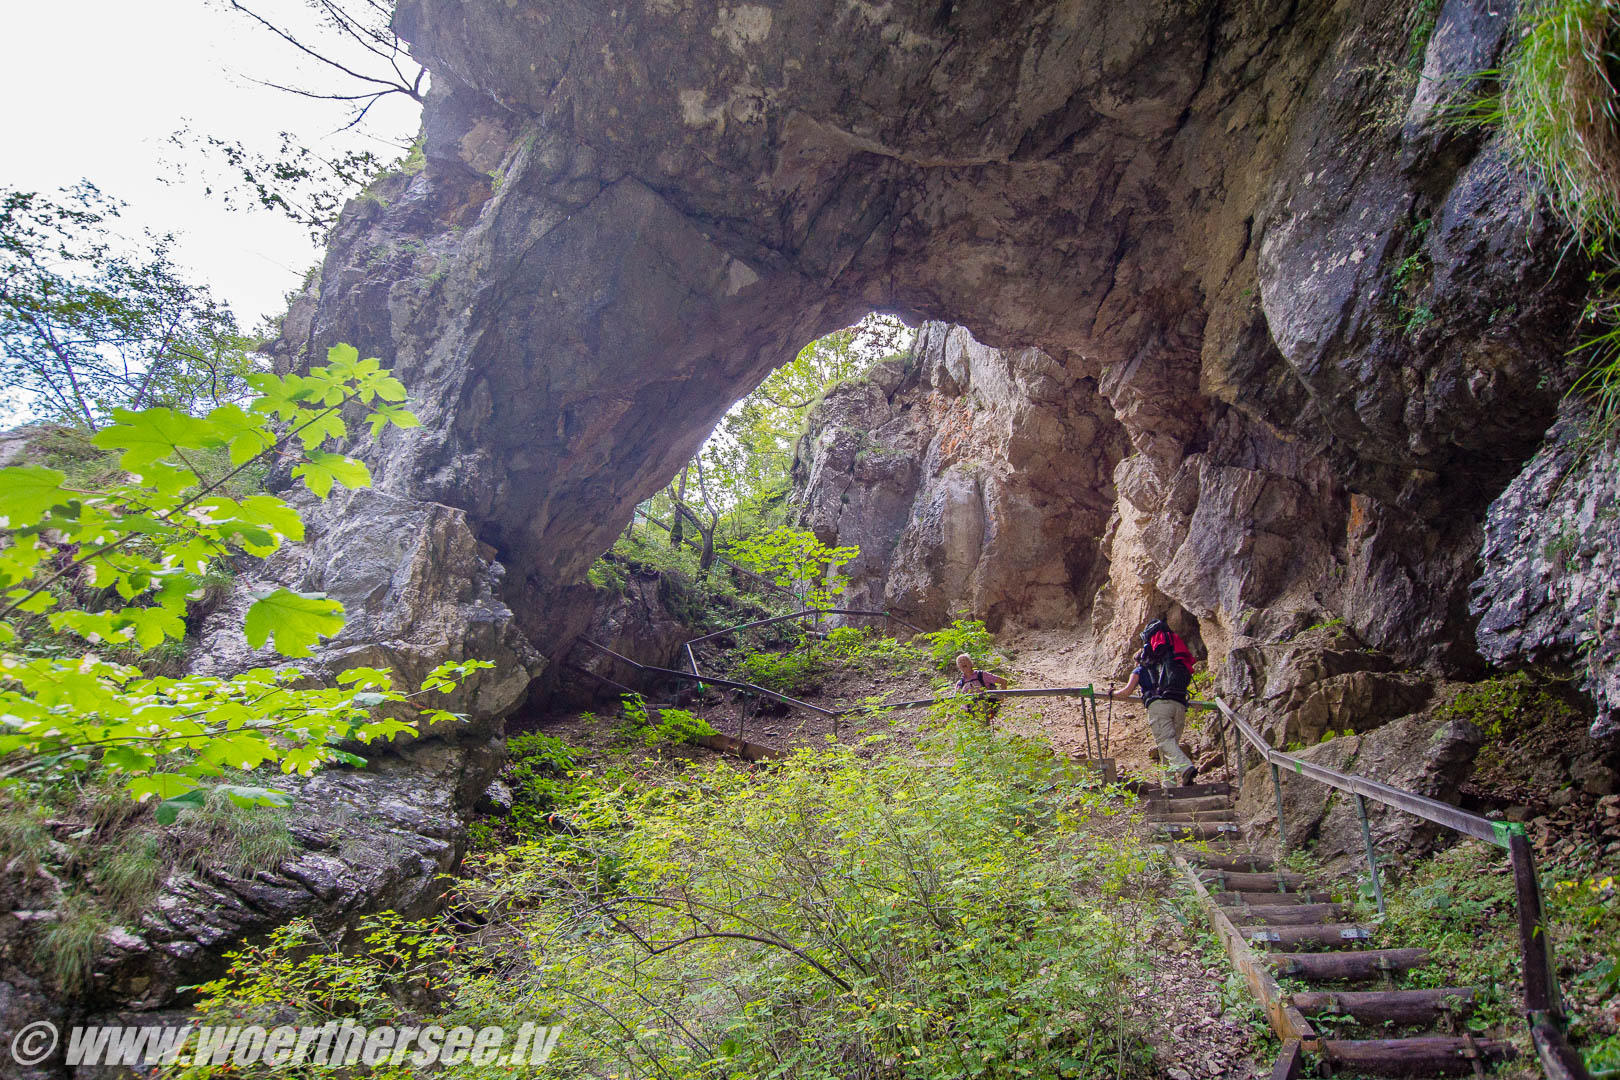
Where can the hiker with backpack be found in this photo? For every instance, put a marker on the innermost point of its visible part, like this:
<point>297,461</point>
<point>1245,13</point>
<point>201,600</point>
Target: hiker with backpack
<point>975,682</point>
<point>1164,670</point>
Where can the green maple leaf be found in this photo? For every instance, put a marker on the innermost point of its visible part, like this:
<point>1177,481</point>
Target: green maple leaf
<point>246,435</point>
<point>303,760</point>
<point>273,514</point>
<point>343,361</point>
<point>297,620</point>
<point>239,750</point>
<point>387,414</point>
<point>321,470</point>
<point>246,796</point>
<point>162,785</point>
<point>282,396</point>
<point>151,625</point>
<point>149,436</point>
<point>326,425</point>
<point>27,491</point>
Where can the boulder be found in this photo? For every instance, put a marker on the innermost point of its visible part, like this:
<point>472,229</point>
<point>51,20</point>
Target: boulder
<point>1321,680</point>
<point>1419,753</point>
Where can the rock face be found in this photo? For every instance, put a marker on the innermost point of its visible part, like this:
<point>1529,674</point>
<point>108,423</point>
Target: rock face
<point>969,480</point>
<point>1550,590</point>
<point>1310,321</point>
<point>1318,681</point>
<point>370,840</point>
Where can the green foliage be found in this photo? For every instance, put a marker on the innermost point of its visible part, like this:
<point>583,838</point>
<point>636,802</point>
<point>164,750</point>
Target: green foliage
<point>675,726</point>
<point>749,457</point>
<point>69,944</point>
<point>547,778</point>
<point>828,915</point>
<point>796,560</point>
<point>1326,624</point>
<point>665,727</point>
<point>1559,106</point>
<point>144,539</point>
<point>1560,109</point>
<point>298,970</point>
<point>1426,14</point>
<point>792,672</point>
<point>87,326</point>
<point>1408,279</point>
<point>797,670</point>
<point>1460,905</point>
<point>867,648</point>
<point>1504,704</point>
<point>962,636</point>
<point>1202,686</point>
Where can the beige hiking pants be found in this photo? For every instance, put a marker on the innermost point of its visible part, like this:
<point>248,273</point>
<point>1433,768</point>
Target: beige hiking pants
<point>1167,719</point>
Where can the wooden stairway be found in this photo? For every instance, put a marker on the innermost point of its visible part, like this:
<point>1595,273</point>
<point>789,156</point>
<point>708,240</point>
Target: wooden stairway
<point>1276,925</point>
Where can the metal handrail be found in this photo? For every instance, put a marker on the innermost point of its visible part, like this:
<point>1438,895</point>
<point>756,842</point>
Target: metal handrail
<point>1543,1004</point>
<point>1452,817</point>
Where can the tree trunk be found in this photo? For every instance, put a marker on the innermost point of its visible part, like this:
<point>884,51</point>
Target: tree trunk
<point>679,496</point>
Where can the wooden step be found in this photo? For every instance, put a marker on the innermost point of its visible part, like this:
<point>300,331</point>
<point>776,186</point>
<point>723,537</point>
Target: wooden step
<point>1424,1055</point>
<point>1426,1007</point>
<point>1267,899</point>
<point>1214,830</point>
<point>1347,966</point>
<point>1193,818</point>
<point>1286,914</point>
<point>1318,935</point>
<point>1187,806</point>
<point>1215,860</point>
<point>1238,881</point>
<point>1189,791</point>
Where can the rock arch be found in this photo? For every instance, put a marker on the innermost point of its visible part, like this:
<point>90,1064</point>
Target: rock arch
<point>629,213</point>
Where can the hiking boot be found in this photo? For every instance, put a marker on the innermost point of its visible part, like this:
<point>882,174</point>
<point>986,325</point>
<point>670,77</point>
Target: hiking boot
<point>1187,775</point>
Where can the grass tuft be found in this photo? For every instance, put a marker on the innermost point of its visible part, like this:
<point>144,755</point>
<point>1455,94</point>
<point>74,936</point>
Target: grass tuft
<point>1562,111</point>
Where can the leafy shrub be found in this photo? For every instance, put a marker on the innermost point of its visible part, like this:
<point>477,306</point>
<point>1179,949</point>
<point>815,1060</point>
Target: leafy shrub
<point>865,647</point>
<point>675,726</point>
<point>826,916</point>
<point>792,672</point>
<point>1460,904</point>
<point>794,559</point>
<point>962,636</point>
<point>665,727</point>
<point>144,540</point>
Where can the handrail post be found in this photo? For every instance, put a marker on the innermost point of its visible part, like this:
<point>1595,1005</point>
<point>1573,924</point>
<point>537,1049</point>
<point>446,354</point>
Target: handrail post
<point>1543,1006</point>
<point>1540,981</point>
<point>1282,831</point>
<point>1237,742</point>
<point>1372,856</point>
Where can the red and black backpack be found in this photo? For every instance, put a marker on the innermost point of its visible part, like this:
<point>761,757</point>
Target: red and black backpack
<point>1165,662</point>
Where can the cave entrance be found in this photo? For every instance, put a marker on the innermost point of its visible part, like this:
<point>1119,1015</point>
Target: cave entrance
<point>957,479</point>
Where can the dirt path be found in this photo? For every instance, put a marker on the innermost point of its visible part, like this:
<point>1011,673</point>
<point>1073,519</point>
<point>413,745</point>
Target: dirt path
<point>1048,658</point>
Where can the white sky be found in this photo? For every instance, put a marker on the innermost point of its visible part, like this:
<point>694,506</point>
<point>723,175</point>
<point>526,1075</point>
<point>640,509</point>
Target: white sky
<point>94,88</point>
